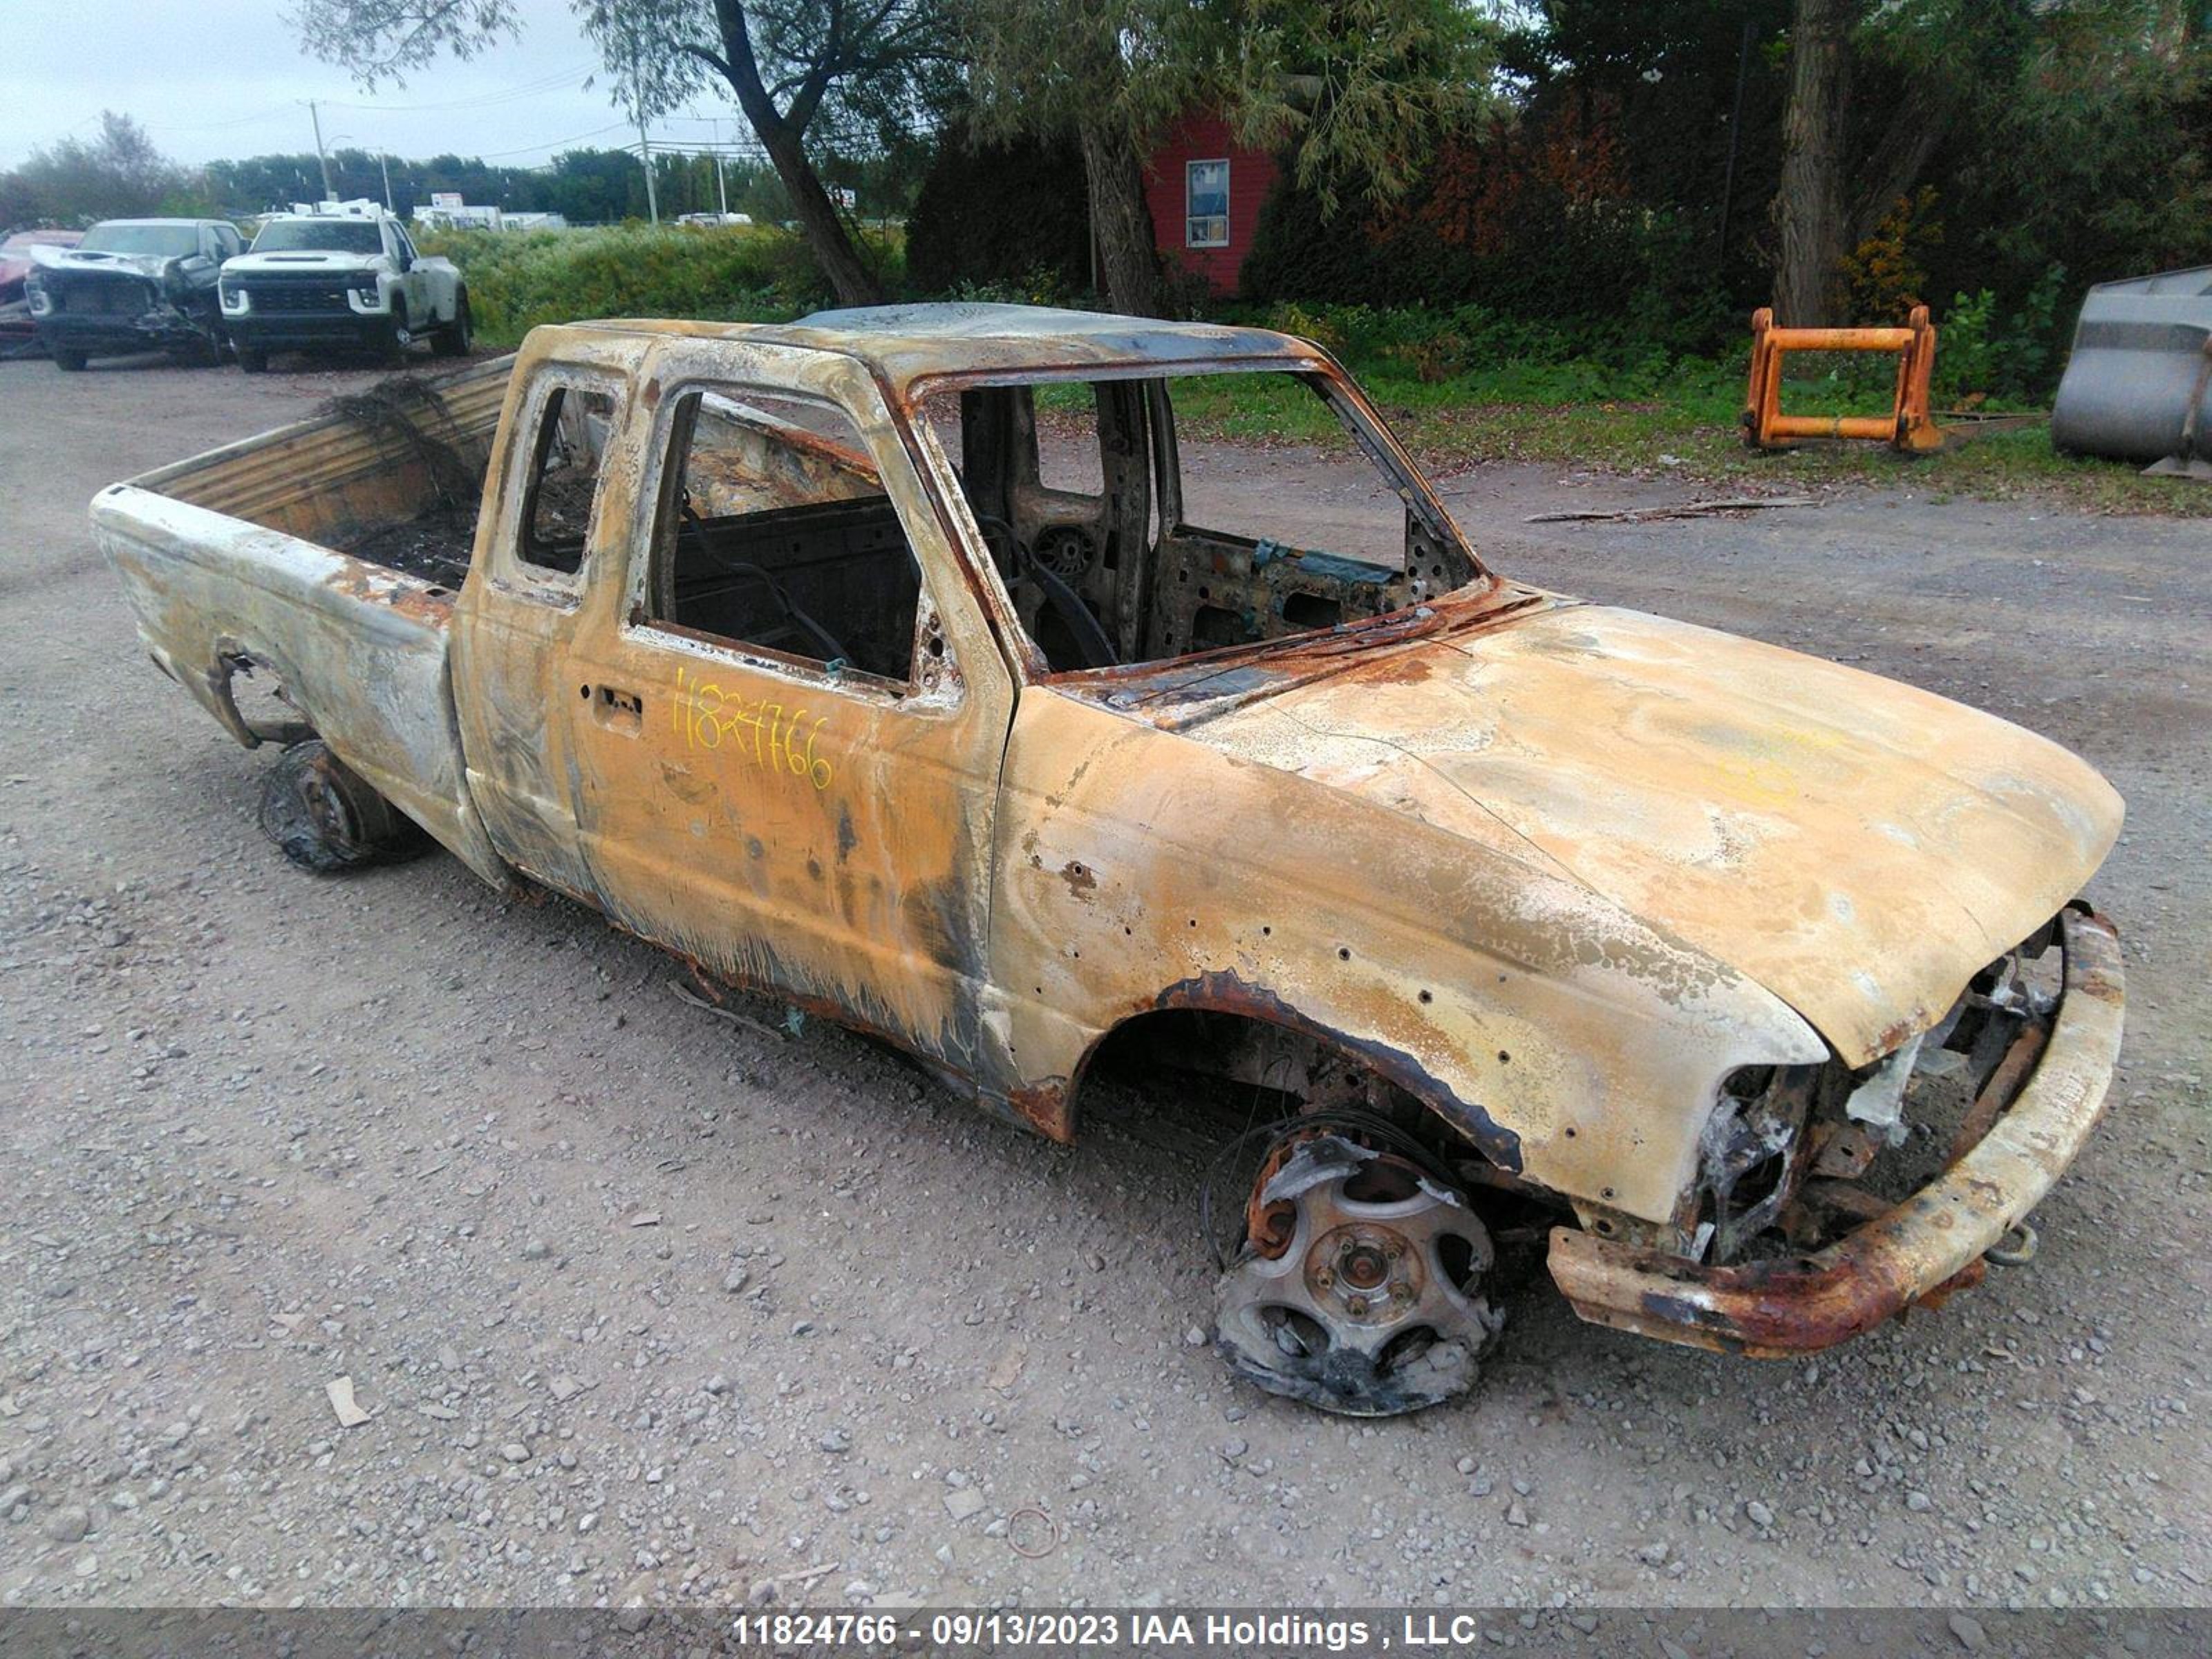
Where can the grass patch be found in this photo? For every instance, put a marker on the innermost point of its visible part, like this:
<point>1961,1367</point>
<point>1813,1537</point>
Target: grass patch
<point>1616,408</point>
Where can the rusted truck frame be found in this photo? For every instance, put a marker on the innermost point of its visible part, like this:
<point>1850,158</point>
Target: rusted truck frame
<point>1518,906</point>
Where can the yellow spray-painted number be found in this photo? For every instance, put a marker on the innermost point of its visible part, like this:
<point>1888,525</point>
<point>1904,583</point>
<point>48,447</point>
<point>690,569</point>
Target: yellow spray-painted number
<point>782,740</point>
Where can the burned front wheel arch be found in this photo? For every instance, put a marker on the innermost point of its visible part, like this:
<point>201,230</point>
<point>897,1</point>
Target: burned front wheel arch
<point>1224,992</point>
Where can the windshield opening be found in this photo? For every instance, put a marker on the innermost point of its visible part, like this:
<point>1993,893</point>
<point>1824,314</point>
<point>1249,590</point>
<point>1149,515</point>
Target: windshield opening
<point>318,236</point>
<point>163,241</point>
<point>1124,538</point>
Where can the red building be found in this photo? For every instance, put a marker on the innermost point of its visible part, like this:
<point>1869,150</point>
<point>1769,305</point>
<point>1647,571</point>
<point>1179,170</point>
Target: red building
<point>1205,193</point>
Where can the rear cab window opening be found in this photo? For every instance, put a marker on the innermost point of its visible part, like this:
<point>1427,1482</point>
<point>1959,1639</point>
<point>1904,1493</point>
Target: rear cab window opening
<point>575,423</point>
<point>1120,550</point>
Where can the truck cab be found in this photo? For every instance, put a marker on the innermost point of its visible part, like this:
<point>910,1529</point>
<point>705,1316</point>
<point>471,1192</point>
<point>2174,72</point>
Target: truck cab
<point>330,277</point>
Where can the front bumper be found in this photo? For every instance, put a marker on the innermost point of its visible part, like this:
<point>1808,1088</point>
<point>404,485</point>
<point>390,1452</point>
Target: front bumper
<point>347,331</point>
<point>1928,1245</point>
<point>152,330</point>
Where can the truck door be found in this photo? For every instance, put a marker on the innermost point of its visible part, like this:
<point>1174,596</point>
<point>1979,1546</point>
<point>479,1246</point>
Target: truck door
<point>414,284</point>
<point>788,724</point>
<point>537,548</point>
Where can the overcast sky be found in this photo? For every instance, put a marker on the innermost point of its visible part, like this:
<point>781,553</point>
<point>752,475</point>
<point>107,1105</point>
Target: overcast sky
<point>218,78</point>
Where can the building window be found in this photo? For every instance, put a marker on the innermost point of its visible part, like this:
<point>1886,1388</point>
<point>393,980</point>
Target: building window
<point>1205,204</point>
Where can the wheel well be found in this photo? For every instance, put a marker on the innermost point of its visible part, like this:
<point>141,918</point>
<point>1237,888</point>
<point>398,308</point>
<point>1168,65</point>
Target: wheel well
<point>1288,1058</point>
<point>270,716</point>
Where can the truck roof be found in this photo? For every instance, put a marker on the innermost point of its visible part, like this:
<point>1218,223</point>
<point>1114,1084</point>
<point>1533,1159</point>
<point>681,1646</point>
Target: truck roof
<point>911,343</point>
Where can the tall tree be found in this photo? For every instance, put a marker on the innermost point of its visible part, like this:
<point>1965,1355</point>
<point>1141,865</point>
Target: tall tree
<point>803,72</point>
<point>1809,209</point>
<point>1355,90</point>
<point>115,175</point>
<point>2026,93</point>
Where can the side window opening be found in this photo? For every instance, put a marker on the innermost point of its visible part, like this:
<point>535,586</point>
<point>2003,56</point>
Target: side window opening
<point>774,532</point>
<point>564,478</point>
<point>1150,549</point>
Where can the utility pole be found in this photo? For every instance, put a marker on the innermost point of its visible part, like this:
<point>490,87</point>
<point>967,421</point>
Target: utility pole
<point>1735,133</point>
<point>721,184</point>
<point>652,191</point>
<point>384,162</point>
<point>316,116</point>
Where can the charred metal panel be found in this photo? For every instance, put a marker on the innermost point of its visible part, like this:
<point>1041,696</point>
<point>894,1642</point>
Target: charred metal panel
<point>1858,846</point>
<point>820,833</point>
<point>361,651</point>
<point>1139,867</point>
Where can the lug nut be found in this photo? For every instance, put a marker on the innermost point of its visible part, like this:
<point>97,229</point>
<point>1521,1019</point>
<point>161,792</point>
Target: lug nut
<point>1355,1305</point>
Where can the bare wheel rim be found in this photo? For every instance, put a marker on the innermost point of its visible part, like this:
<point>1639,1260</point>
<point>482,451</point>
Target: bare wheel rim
<point>1374,1306</point>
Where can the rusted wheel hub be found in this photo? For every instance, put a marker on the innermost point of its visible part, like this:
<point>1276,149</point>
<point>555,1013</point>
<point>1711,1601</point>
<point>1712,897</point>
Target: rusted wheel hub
<point>1359,1290</point>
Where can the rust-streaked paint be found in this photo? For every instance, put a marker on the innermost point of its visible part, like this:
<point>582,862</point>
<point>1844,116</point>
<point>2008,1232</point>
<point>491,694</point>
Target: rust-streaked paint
<point>820,832</point>
<point>1857,847</point>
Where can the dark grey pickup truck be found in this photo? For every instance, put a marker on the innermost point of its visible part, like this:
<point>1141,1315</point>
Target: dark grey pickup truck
<point>133,285</point>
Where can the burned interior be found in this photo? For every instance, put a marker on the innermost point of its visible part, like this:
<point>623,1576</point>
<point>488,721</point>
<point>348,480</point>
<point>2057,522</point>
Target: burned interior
<point>1097,522</point>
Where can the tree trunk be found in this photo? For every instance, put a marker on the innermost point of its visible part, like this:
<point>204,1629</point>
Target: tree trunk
<point>783,135</point>
<point>1808,206</point>
<point>820,222</point>
<point>1120,223</point>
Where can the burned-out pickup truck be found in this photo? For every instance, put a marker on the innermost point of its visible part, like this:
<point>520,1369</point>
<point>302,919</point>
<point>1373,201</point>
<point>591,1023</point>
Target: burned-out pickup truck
<point>1753,990</point>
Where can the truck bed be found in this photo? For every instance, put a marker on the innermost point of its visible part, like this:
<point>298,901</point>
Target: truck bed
<point>392,475</point>
<point>326,557</point>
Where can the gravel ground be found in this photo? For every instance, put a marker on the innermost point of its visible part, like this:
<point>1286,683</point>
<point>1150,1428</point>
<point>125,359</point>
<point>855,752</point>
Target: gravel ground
<point>642,1305</point>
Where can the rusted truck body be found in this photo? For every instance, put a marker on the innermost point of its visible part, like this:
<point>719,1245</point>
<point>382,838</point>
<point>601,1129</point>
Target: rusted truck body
<point>1754,989</point>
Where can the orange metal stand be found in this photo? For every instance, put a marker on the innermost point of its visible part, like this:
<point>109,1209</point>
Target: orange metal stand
<point>1908,427</point>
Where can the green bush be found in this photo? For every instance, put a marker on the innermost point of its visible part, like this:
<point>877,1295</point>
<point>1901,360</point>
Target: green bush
<point>1530,221</point>
<point>2012,359</point>
<point>517,279</point>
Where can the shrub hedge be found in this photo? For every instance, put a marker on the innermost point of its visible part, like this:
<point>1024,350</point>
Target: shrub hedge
<point>517,279</point>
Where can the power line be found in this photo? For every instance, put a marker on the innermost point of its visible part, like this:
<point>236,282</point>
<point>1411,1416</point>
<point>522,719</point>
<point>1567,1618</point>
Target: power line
<point>561,78</point>
<point>554,144</point>
<point>273,110</point>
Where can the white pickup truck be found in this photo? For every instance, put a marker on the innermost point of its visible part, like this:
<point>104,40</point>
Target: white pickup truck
<point>349,281</point>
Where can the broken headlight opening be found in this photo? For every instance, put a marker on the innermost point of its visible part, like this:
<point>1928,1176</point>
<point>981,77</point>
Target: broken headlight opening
<point>364,291</point>
<point>1749,1155</point>
<point>236,300</point>
<point>42,303</point>
<point>1793,1156</point>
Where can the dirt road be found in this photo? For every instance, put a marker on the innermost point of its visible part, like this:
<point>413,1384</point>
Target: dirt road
<point>644,1304</point>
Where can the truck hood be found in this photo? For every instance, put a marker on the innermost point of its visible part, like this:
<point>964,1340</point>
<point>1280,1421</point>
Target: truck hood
<point>305,263</point>
<point>76,260</point>
<point>1859,847</point>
